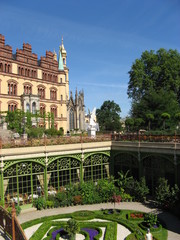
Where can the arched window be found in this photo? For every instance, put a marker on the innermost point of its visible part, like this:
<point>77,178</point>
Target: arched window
<point>41,91</point>
<point>12,106</point>
<point>12,88</point>
<point>27,88</point>
<point>42,109</point>
<point>33,108</point>
<point>71,119</point>
<point>53,94</point>
<point>54,110</point>
<point>9,68</point>
<point>27,107</point>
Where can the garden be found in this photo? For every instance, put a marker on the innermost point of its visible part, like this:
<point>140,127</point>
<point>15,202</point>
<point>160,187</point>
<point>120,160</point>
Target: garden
<point>108,224</point>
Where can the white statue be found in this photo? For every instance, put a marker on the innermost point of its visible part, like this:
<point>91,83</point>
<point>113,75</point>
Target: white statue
<point>92,124</point>
<point>93,118</point>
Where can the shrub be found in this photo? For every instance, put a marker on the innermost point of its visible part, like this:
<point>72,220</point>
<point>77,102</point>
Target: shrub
<point>87,192</point>
<point>150,219</point>
<point>49,204</point>
<point>126,197</point>
<point>72,228</point>
<point>35,132</point>
<point>62,198</point>
<point>140,190</point>
<point>165,195</point>
<point>106,189</point>
<point>39,203</point>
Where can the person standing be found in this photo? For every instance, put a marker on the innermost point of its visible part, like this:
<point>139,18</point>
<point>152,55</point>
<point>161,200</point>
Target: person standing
<point>148,235</point>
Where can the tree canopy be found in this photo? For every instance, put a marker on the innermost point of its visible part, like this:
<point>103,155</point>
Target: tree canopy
<point>155,71</point>
<point>108,116</point>
<point>154,86</point>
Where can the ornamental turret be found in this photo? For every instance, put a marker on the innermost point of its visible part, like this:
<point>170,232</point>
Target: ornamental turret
<point>63,53</point>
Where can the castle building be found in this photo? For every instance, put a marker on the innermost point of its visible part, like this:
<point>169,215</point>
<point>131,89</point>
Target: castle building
<point>39,85</point>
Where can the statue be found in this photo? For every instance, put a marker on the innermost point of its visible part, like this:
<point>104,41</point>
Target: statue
<point>92,124</point>
<point>93,118</point>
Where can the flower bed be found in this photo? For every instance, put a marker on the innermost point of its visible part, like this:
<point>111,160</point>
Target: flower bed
<point>135,216</point>
<point>92,232</point>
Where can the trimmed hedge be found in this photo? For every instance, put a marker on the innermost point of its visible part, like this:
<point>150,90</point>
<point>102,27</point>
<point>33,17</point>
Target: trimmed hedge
<point>83,215</point>
<point>152,229</point>
<point>111,227</point>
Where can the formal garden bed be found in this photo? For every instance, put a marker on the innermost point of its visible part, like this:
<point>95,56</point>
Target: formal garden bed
<point>91,222</point>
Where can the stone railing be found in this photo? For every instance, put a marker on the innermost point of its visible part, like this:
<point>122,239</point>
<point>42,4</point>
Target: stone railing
<point>53,141</point>
<point>145,138</point>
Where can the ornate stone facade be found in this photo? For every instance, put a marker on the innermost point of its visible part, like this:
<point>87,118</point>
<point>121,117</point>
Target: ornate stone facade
<point>33,84</point>
<point>76,111</point>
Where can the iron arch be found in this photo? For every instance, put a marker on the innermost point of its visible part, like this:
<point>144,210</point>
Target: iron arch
<point>155,166</point>
<point>124,161</point>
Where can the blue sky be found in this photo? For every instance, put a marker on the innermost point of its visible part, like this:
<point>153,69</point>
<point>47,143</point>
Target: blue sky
<point>102,38</point>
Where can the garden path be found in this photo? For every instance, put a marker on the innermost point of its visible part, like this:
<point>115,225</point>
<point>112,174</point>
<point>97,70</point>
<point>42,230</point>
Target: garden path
<point>172,222</point>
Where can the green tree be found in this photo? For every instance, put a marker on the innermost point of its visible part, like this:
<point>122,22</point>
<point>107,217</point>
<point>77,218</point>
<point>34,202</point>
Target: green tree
<point>72,228</point>
<point>165,116</point>
<point>138,122</point>
<point>156,103</point>
<point>154,85</point>
<point>108,116</point>
<point>15,120</point>
<point>129,123</point>
<point>154,71</point>
<point>150,118</point>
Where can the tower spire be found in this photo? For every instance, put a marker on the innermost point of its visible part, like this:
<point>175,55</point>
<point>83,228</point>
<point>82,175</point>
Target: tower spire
<point>60,61</point>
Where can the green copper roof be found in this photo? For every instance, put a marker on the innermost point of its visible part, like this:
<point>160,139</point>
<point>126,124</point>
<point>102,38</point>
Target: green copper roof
<point>60,62</point>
